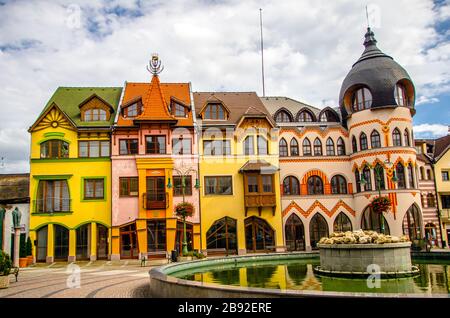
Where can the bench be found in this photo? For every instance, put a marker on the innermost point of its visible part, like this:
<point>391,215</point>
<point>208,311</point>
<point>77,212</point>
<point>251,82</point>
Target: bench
<point>216,251</point>
<point>15,272</point>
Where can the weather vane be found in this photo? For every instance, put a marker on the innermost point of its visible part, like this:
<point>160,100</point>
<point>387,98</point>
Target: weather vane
<point>154,65</point>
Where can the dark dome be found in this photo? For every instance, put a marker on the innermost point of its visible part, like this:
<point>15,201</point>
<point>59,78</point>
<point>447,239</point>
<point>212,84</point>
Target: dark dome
<point>379,73</point>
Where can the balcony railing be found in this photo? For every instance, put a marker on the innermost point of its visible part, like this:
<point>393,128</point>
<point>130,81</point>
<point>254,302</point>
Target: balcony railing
<point>260,201</point>
<point>51,205</point>
<point>155,201</point>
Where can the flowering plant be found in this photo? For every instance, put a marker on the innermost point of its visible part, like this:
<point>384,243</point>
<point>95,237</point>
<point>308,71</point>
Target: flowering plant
<point>184,209</point>
<point>381,204</point>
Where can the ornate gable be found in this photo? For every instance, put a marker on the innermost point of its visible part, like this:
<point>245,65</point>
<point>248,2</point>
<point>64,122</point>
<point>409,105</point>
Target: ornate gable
<point>53,117</point>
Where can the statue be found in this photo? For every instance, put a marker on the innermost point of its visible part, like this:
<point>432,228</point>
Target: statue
<point>17,215</point>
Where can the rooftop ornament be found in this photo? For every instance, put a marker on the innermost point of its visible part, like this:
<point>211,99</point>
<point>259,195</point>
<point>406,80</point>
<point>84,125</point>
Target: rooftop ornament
<point>154,65</point>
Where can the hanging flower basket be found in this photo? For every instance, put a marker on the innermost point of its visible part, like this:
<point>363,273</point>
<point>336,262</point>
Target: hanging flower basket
<point>184,209</point>
<point>381,204</point>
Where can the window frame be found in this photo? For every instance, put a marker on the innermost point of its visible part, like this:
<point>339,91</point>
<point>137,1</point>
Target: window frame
<point>49,144</point>
<point>128,182</point>
<point>283,145</point>
<point>340,147</point>
<point>249,146</point>
<point>289,181</point>
<point>162,151</point>
<point>306,147</point>
<point>375,139</point>
<point>182,148</point>
<point>225,146</point>
<point>215,109</point>
<point>95,180</point>
<point>315,187</point>
<point>329,145</point>
<point>318,149</point>
<point>217,185</point>
<point>100,152</point>
<point>178,192</point>
<point>337,185</point>
<point>128,146</point>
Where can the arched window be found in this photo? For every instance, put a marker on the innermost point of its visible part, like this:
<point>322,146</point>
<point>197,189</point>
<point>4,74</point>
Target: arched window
<point>54,149</point>
<point>248,146</point>
<point>317,147</point>
<point>396,138</point>
<point>412,223</point>
<point>41,244</point>
<point>370,221</point>
<point>338,185</point>
<point>330,147</point>
<point>283,117</point>
<point>283,148</point>
<point>294,147</point>
<point>315,185</point>
<point>223,235</point>
<point>259,235</point>
<point>291,186</point>
<point>61,242</point>
<point>306,147</point>
<point>295,234</point>
<point>215,112</point>
<point>354,145</point>
<point>431,201</point>
<point>318,228</point>
<point>358,181</point>
<point>340,147</point>
<point>83,239</point>
<point>379,177</point>
<point>362,99</point>
<point>363,141</point>
<point>375,139</point>
<point>342,223</point>
<point>328,116</point>
<point>406,137</point>
<point>368,178</point>
<point>401,96</point>
<point>400,172</point>
<point>305,116</point>
<point>411,177</point>
<point>263,146</point>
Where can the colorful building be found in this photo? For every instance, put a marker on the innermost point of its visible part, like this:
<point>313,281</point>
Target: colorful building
<point>70,175</point>
<point>154,149</point>
<point>239,193</point>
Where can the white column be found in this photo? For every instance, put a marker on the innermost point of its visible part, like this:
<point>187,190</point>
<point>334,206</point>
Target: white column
<point>16,246</point>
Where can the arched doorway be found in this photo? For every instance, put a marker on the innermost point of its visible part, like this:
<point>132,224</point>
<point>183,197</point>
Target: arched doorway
<point>295,234</point>
<point>128,242</point>
<point>102,242</point>
<point>370,221</point>
<point>222,235</point>
<point>259,235</point>
<point>83,242</point>
<point>61,242</point>
<point>318,228</point>
<point>180,235</point>
<point>431,234</point>
<point>412,223</point>
<point>41,244</point>
<point>342,223</point>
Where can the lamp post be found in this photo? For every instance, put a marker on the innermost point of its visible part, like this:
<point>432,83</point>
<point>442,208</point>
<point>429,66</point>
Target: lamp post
<point>183,174</point>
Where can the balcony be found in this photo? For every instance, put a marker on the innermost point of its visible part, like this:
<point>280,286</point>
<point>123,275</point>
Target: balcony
<point>52,205</point>
<point>155,201</point>
<point>445,215</point>
<point>260,201</point>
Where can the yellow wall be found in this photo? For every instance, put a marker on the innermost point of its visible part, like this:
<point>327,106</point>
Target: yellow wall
<point>443,188</point>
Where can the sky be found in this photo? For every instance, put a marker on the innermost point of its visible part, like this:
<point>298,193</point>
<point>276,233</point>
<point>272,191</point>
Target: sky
<point>309,47</point>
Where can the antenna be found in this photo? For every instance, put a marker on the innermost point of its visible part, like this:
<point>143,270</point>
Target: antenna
<point>367,17</point>
<point>262,53</point>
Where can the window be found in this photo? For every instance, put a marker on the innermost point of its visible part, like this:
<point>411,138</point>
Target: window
<point>267,183</point>
<point>54,149</point>
<point>283,148</point>
<point>181,146</point>
<point>431,201</point>
<point>371,221</point>
<point>445,199</point>
<point>252,184</point>
<point>155,144</point>
<point>305,116</point>
<point>129,186</point>
<point>375,139</point>
<point>93,149</point>
<point>354,145</point>
<point>315,185</point>
<point>340,147</point>
<point>330,147</point>
<point>156,235</point>
<point>318,228</point>
<point>400,171</point>
<point>430,175</point>
<point>291,186</point>
<point>95,114</point>
<point>128,146</point>
<point>342,223</point>
<point>328,116</point>
<point>306,147</point>
<point>406,137</point>
<point>178,110</point>
<point>358,181</point>
<point>362,99</point>
<point>411,224</point>
<point>396,138</point>
<point>379,177</point>
<point>178,185</point>
<point>294,147</point>
<point>445,176</point>
<point>317,147</point>
<point>214,112</point>
<point>248,146</point>
<point>363,141</point>
<point>368,177</point>
<point>338,185</point>
<point>257,183</point>
<point>411,177</point>
<point>283,117</point>
<point>94,189</point>
<point>223,234</point>
<point>263,146</point>
<point>52,196</point>
<point>218,185</point>
<point>132,111</point>
<point>401,96</point>
<point>216,147</point>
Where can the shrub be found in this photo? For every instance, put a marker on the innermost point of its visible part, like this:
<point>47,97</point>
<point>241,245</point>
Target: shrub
<point>5,264</point>
<point>23,247</point>
<point>29,247</point>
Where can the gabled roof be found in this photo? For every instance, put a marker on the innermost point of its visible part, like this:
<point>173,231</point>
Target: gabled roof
<point>94,95</point>
<point>14,188</point>
<point>441,146</point>
<point>154,104</point>
<point>53,115</point>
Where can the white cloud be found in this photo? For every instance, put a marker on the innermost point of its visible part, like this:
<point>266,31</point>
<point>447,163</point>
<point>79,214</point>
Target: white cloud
<point>310,47</point>
<point>430,130</point>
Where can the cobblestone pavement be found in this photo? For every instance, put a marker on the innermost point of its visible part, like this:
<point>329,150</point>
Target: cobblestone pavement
<point>104,279</point>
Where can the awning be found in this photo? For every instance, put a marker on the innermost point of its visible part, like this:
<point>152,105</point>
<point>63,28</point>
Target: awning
<point>259,166</point>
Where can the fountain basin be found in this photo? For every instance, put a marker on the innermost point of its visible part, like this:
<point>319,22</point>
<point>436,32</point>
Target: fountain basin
<point>391,260</point>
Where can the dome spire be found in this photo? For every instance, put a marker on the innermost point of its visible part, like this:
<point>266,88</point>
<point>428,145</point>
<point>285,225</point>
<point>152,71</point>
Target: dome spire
<point>370,38</point>
<point>371,51</point>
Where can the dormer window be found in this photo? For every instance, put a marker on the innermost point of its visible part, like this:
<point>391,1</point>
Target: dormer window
<point>95,114</point>
<point>132,111</point>
<point>362,99</point>
<point>95,108</point>
<point>305,117</point>
<point>401,96</point>
<point>214,112</point>
<point>179,110</point>
<point>283,117</point>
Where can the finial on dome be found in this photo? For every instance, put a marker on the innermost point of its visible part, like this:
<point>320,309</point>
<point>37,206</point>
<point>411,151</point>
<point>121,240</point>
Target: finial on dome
<point>369,38</point>
<point>154,65</point>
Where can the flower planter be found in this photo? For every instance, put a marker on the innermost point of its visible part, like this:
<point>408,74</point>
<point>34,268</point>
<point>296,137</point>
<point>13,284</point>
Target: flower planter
<point>30,260</point>
<point>4,281</point>
<point>23,262</point>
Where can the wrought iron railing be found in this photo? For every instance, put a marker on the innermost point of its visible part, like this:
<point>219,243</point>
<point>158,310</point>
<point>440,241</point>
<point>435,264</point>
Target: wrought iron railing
<point>52,205</point>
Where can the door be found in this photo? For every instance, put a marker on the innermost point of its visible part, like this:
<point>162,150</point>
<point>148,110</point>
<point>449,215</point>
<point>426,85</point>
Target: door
<point>83,242</point>
<point>61,242</point>
<point>102,242</point>
<point>295,234</point>
<point>259,236</point>
<point>41,244</point>
<point>156,193</point>
<point>128,242</point>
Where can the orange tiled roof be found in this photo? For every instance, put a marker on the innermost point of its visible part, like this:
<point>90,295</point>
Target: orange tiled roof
<point>156,98</point>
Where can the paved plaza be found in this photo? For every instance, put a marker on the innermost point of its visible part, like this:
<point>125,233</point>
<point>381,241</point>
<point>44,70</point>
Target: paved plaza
<point>100,279</point>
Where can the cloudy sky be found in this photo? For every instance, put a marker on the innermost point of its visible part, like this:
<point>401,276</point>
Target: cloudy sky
<point>309,48</point>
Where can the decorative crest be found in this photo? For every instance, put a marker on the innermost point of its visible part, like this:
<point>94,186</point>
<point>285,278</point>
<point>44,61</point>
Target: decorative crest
<point>154,65</point>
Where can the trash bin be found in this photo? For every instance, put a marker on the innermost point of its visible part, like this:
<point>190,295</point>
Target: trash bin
<point>174,255</point>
